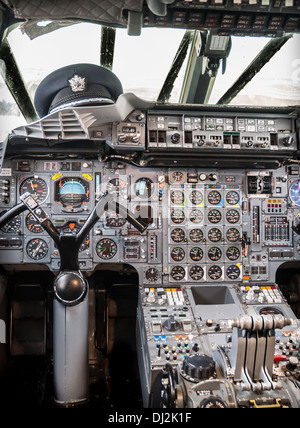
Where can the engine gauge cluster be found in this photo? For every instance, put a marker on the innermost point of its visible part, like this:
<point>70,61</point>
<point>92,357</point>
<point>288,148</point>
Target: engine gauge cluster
<point>205,231</point>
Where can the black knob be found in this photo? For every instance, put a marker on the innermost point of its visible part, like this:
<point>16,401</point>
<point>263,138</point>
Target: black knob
<point>199,366</point>
<point>175,138</point>
<point>288,141</point>
<point>171,324</point>
<point>70,288</point>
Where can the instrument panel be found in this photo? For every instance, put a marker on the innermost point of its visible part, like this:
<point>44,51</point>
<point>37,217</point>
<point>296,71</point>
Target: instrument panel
<point>205,225</point>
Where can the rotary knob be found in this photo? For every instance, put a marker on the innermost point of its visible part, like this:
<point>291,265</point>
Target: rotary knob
<point>175,138</point>
<point>199,366</point>
<point>171,324</point>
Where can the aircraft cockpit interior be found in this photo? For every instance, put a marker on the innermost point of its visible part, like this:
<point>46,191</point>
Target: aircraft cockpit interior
<point>150,204</point>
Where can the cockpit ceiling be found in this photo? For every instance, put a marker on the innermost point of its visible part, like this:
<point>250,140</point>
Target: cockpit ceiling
<point>270,18</point>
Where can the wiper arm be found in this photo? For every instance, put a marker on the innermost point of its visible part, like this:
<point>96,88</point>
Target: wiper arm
<point>256,65</point>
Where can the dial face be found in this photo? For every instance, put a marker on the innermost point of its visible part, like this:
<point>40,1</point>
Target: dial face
<point>177,176</point>
<point>13,226</point>
<point>214,234</point>
<point>232,197</point>
<point>177,234</point>
<point>144,187</point>
<point>214,197</point>
<point>294,193</point>
<point>196,254</point>
<point>177,197</point>
<point>196,273</point>
<point>214,272</point>
<point>177,254</point>
<point>214,253</point>
<point>233,253</point>
<point>196,197</point>
<point>37,249</point>
<point>178,273</point>
<point>269,310</point>
<point>152,274</point>
<point>72,192</point>
<point>233,272</point>
<point>32,224</point>
<point>114,220</point>
<point>36,186</point>
<point>213,403</point>
<point>106,249</point>
<point>177,216</point>
<point>196,235</point>
<point>214,216</point>
<point>72,227</point>
<point>232,234</point>
<point>196,216</point>
<point>232,216</point>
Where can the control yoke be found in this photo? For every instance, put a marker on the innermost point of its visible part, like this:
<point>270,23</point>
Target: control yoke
<point>70,286</point>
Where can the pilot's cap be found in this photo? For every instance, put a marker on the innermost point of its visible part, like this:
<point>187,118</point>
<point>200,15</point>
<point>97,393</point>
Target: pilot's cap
<point>77,85</point>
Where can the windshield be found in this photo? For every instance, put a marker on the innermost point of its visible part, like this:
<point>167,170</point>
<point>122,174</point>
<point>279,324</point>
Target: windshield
<point>143,63</point>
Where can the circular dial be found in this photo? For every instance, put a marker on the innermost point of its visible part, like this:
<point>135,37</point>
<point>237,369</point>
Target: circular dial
<point>32,224</point>
<point>177,176</point>
<point>233,253</point>
<point>232,234</point>
<point>196,235</point>
<point>196,216</point>
<point>152,274</point>
<point>214,234</point>
<point>37,249</point>
<point>196,254</point>
<point>214,197</point>
<point>106,249</point>
<point>177,254</point>
<point>214,272</point>
<point>232,197</point>
<point>177,216</point>
<point>177,197</point>
<point>144,187</point>
<point>232,216</point>
<point>72,192</point>
<point>36,186</point>
<point>114,220</point>
<point>213,403</point>
<point>72,227</point>
<point>269,310</point>
<point>233,272</point>
<point>214,253</point>
<point>177,234</point>
<point>196,273</point>
<point>214,216</point>
<point>13,226</point>
<point>178,273</point>
<point>196,197</point>
<point>294,193</point>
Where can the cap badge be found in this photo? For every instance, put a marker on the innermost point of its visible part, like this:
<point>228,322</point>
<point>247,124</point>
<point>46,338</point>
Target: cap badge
<point>77,83</point>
